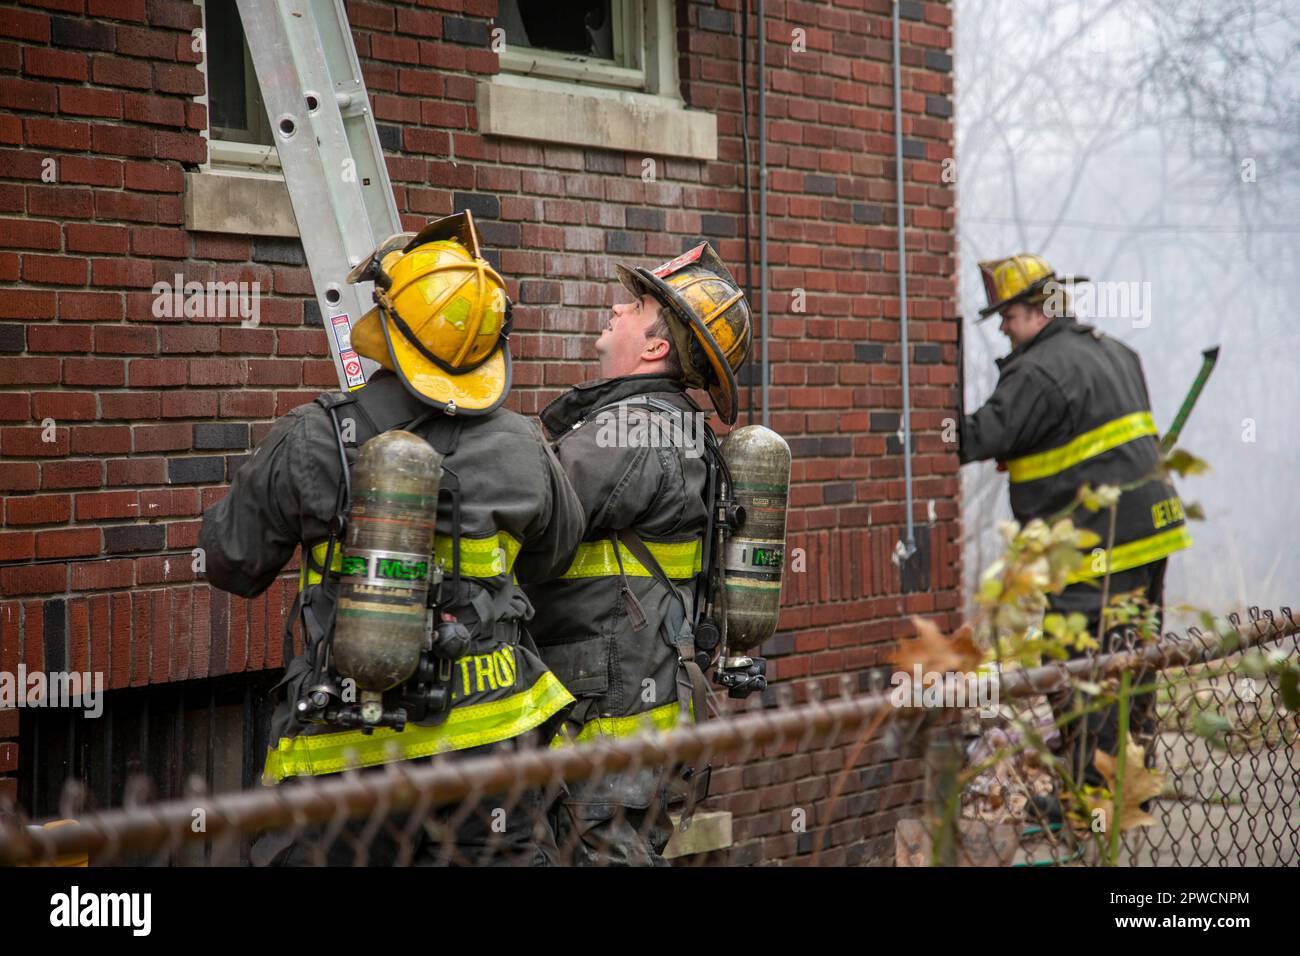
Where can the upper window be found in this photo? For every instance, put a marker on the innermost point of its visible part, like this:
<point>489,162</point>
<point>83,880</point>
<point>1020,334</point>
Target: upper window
<point>612,43</point>
<point>238,133</point>
<point>585,29</point>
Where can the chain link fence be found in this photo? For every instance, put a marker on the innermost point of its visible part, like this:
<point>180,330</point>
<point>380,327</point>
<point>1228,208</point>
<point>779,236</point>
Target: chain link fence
<point>1213,773</point>
<point>1220,745</point>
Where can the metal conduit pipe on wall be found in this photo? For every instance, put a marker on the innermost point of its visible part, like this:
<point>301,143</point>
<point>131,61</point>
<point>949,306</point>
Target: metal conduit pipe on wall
<point>907,547</point>
<point>749,202</point>
<point>762,203</point>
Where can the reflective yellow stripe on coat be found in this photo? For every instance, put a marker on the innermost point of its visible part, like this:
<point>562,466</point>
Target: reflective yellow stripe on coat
<point>595,559</point>
<point>1134,554</point>
<point>662,719</point>
<point>1088,445</point>
<point>470,726</point>
<point>479,557</point>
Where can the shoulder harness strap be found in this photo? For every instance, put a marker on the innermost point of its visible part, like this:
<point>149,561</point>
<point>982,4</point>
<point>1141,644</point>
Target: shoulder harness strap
<point>690,679</point>
<point>314,631</point>
<point>649,401</point>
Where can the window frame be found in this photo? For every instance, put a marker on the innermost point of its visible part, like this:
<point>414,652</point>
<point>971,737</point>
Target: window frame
<point>653,120</point>
<point>230,155</point>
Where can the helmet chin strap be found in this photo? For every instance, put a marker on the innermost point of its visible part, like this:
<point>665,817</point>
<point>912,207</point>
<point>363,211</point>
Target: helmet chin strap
<point>390,311</point>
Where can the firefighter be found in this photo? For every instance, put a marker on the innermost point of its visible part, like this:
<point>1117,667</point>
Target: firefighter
<point>446,372</point>
<point>632,443</point>
<point>1071,408</point>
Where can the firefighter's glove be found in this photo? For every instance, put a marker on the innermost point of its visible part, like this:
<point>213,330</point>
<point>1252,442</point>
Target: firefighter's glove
<point>451,640</point>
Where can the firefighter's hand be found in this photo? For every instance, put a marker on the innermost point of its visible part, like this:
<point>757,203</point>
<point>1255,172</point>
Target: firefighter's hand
<point>451,639</point>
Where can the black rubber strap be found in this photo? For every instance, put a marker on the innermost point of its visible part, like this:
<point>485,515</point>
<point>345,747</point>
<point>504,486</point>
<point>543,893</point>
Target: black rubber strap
<point>635,613</point>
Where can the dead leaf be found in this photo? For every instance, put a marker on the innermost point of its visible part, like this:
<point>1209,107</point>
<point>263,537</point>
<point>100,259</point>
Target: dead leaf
<point>1140,785</point>
<point>938,654</point>
<point>1182,462</point>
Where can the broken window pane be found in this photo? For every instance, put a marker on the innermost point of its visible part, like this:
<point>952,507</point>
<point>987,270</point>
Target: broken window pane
<point>584,28</point>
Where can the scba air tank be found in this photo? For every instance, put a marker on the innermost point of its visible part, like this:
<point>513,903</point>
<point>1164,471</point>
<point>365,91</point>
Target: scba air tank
<point>380,627</point>
<point>759,461</point>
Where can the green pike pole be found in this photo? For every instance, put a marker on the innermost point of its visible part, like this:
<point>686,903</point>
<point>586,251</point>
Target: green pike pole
<point>1208,358</point>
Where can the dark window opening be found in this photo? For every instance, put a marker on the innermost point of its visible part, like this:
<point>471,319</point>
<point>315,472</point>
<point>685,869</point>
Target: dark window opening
<point>585,28</point>
<point>236,111</point>
<point>215,730</point>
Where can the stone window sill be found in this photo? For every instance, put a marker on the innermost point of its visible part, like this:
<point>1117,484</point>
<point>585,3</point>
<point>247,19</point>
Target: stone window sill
<point>525,107</point>
<point>244,203</point>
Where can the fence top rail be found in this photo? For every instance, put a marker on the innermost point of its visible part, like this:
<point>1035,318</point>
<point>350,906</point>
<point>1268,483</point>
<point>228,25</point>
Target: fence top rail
<point>166,825</point>
<point>1173,650</point>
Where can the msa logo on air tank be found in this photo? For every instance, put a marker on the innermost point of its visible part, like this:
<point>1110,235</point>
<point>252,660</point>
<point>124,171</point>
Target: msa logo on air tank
<point>396,569</point>
<point>381,568</point>
<point>765,557</point>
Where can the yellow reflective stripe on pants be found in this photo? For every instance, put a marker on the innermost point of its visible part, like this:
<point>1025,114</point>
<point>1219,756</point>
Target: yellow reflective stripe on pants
<point>595,559</point>
<point>470,726</point>
<point>479,557</point>
<point>662,718</point>
<point>1133,554</point>
<point>1088,445</point>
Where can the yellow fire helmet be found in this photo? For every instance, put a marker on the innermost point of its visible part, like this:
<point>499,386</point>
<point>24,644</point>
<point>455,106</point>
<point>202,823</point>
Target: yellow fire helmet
<point>1018,279</point>
<point>713,332</point>
<point>442,318</point>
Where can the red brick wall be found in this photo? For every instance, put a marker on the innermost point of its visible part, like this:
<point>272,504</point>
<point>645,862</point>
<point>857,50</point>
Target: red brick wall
<point>152,416</point>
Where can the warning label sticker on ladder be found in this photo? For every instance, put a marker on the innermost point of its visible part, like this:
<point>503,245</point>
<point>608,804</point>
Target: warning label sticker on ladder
<point>342,329</point>
<point>350,361</point>
<point>352,368</point>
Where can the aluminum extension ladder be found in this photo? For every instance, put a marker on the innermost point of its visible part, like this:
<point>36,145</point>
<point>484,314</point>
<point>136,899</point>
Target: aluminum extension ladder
<point>329,150</point>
